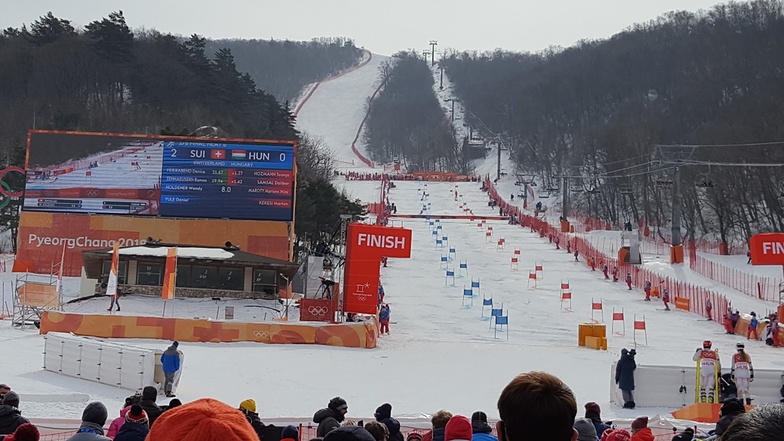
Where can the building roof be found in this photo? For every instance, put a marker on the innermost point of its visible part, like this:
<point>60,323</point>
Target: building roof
<point>218,256</point>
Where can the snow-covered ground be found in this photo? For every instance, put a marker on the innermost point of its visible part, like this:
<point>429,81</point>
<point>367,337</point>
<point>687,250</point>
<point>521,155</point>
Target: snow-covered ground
<point>439,353</point>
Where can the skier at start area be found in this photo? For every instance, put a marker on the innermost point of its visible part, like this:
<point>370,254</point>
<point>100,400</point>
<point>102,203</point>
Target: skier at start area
<point>742,372</point>
<point>708,367</point>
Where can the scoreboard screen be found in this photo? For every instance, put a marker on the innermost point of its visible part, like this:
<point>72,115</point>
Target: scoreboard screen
<point>171,177</point>
<point>236,181</point>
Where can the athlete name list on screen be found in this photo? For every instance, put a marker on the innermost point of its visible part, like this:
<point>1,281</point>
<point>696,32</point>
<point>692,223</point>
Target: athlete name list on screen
<point>238,181</point>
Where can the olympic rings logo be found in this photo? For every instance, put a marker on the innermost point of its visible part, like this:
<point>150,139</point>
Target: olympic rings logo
<point>261,334</point>
<point>318,310</point>
<point>361,297</point>
<point>92,193</point>
<point>4,189</point>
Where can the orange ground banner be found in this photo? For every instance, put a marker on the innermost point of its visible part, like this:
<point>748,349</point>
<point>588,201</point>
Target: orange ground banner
<point>352,335</point>
<point>42,236</point>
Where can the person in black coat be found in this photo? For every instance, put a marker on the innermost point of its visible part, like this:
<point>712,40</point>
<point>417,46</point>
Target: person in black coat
<point>729,410</point>
<point>330,417</point>
<point>384,416</point>
<point>149,395</point>
<point>10,415</point>
<point>624,376</point>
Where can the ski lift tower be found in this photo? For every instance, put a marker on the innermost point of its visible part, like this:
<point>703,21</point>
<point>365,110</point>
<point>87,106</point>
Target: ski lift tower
<point>677,156</point>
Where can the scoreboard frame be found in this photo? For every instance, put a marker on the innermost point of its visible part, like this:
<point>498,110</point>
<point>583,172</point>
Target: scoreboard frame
<point>205,142</point>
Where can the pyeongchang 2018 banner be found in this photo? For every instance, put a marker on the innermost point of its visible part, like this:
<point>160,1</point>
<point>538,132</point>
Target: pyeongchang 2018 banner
<point>366,245</point>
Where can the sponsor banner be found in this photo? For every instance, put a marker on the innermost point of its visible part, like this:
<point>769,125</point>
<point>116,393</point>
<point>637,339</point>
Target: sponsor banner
<point>352,335</point>
<point>316,310</point>
<point>111,285</point>
<point>767,249</point>
<point>42,237</point>
<point>366,245</point>
<point>682,303</point>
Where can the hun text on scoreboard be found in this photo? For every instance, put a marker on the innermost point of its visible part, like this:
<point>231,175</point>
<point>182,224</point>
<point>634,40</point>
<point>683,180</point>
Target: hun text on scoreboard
<point>171,177</point>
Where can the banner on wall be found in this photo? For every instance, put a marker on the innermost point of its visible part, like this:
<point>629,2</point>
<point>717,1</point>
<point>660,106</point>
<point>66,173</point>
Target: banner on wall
<point>365,246</point>
<point>43,236</point>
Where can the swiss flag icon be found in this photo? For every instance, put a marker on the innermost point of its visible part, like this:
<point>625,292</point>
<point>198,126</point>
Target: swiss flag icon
<point>217,154</point>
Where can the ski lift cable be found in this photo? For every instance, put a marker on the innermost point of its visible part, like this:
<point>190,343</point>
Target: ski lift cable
<point>747,144</point>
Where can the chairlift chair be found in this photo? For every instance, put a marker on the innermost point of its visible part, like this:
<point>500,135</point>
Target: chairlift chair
<point>626,191</point>
<point>704,181</point>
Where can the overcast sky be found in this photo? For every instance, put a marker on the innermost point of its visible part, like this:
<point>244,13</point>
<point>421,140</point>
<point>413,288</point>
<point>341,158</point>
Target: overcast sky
<point>382,27</point>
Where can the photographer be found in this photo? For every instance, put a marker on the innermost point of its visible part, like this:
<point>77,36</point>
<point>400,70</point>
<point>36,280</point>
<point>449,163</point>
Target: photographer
<point>624,376</point>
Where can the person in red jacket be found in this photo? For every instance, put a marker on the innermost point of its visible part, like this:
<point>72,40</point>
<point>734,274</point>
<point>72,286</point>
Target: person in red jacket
<point>640,430</point>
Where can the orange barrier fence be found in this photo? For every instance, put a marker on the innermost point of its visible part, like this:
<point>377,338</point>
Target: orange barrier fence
<point>697,297</point>
<point>763,288</point>
<point>354,335</point>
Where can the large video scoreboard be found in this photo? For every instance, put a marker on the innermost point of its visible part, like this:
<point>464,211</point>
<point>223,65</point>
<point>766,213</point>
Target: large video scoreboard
<point>238,181</point>
<point>171,177</point>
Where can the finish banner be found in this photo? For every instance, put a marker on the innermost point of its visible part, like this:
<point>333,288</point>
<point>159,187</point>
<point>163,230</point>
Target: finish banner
<point>767,249</point>
<point>366,245</point>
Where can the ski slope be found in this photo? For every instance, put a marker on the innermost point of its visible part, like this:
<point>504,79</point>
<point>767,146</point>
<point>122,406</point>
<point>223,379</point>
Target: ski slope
<point>335,111</point>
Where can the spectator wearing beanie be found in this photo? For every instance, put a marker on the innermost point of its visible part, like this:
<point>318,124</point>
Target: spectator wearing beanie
<point>686,435</point>
<point>616,435</point>
<point>10,415</point>
<point>730,409</point>
<point>379,430</point>
<point>585,429</point>
<point>174,403</point>
<point>414,436</point>
<point>25,432</point>
<point>458,429</point>
<point>438,421</point>
<point>289,433</point>
<point>384,415</point>
<point>640,430</point>
<point>94,417</point>
<point>349,433</point>
<point>593,412</point>
<point>481,430</point>
<point>149,396</point>
<point>117,423</point>
<point>136,425</point>
<point>330,417</point>
<point>205,419</point>
<point>248,408</point>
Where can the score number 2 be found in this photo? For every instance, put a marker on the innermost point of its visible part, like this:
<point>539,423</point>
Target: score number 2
<point>173,153</point>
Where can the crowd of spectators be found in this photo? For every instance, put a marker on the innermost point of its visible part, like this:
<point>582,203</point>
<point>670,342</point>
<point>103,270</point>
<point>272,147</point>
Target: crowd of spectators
<point>533,406</point>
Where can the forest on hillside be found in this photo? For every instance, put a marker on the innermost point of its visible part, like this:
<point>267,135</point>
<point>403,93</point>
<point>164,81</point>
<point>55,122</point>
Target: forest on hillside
<point>405,122</point>
<point>703,92</point>
<point>106,78</point>
<point>283,67</point>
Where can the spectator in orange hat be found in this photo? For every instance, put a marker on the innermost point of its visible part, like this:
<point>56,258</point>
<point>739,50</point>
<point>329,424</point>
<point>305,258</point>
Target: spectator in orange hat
<point>205,419</point>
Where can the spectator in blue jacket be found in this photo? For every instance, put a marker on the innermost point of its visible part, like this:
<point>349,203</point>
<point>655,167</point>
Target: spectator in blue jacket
<point>171,364</point>
<point>481,430</point>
